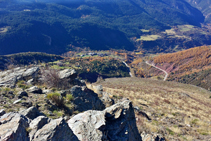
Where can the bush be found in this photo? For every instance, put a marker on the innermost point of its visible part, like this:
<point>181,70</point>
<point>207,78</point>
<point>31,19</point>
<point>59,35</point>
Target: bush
<point>52,80</point>
<point>56,98</point>
<point>69,97</point>
<point>21,84</point>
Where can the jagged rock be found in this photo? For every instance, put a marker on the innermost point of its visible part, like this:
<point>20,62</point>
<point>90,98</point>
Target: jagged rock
<point>34,89</point>
<point>10,77</point>
<point>87,125</point>
<point>98,89</point>
<point>67,73</point>
<point>55,130</point>
<point>2,112</point>
<point>31,113</point>
<point>17,101</point>
<point>31,72</point>
<point>21,94</point>
<point>107,101</point>
<point>37,124</point>
<point>85,99</point>
<point>114,123</point>
<point>14,129</point>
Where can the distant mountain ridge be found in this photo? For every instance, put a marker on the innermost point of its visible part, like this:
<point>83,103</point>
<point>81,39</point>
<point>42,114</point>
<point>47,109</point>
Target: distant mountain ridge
<point>55,26</point>
<point>204,6</point>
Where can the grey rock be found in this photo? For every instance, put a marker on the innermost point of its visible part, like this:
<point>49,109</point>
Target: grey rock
<point>26,104</point>
<point>55,130</point>
<point>85,99</point>
<point>14,129</point>
<point>47,91</point>
<point>31,113</point>
<point>67,73</point>
<point>2,112</point>
<point>21,94</point>
<point>114,123</point>
<point>37,124</point>
<point>107,101</point>
<point>17,101</point>
<point>34,89</point>
<point>30,81</point>
<point>10,77</point>
<point>87,125</point>
<point>31,71</point>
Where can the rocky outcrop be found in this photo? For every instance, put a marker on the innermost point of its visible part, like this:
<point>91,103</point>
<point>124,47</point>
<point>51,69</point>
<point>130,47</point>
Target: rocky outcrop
<point>56,130</point>
<point>85,99</point>
<point>67,73</point>
<point>20,94</point>
<point>34,89</point>
<point>13,127</point>
<point>114,123</point>
<point>31,113</point>
<point>10,77</point>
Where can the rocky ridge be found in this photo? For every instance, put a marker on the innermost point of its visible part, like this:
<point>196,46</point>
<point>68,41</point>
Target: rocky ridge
<point>87,115</point>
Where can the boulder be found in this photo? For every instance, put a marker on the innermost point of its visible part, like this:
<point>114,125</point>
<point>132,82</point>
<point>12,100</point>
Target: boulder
<point>55,130</point>
<point>17,101</point>
<point>88,125</point>
<point>85,99</point>
<point>2,112</point>
<point>34,89</point>
<point>10,77</point>
<point>21,94</point>
<point>67,73</point>
<point>31,72</point>
<point>31,113</point>
<point>37,124</point>
<point>14,129</point>
<point>114,123</point>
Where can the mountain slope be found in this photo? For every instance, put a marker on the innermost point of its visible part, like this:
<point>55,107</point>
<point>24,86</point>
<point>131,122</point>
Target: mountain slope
<point>192,66</point>
<point>204,7</point>
<point>55,26</point>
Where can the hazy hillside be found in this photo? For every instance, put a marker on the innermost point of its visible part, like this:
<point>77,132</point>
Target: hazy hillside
<point>204,6</point>
<point>56,26</point>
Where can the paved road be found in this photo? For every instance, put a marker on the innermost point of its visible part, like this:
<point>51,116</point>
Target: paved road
<point>128,68</point>
<point>166,74</point>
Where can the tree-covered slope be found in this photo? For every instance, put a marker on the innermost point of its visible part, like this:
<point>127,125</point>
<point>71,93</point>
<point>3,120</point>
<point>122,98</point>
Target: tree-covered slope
<point>204,7</point>
<point>55,26</point>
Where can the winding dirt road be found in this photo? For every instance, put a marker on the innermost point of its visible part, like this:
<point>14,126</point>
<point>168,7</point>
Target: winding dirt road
<point>166,74</point>
<point>128,68</point>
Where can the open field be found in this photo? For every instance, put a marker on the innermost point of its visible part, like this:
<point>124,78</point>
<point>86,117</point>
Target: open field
<point>149,38</point>
<point>178,111</point>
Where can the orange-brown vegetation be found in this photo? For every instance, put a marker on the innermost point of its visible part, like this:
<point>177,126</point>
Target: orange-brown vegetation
<point>194,58</point>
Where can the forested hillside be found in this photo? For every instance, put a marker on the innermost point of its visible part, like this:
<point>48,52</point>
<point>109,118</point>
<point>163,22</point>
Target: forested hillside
<point>191,66</point>
<point>204,6</point>
<point>57,26</point>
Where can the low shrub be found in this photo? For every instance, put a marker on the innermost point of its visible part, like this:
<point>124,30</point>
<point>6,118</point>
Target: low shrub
<point>56,98</point>
<point>69,97</point>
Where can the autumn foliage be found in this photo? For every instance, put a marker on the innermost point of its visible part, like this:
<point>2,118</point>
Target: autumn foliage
<point>194,58</point>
